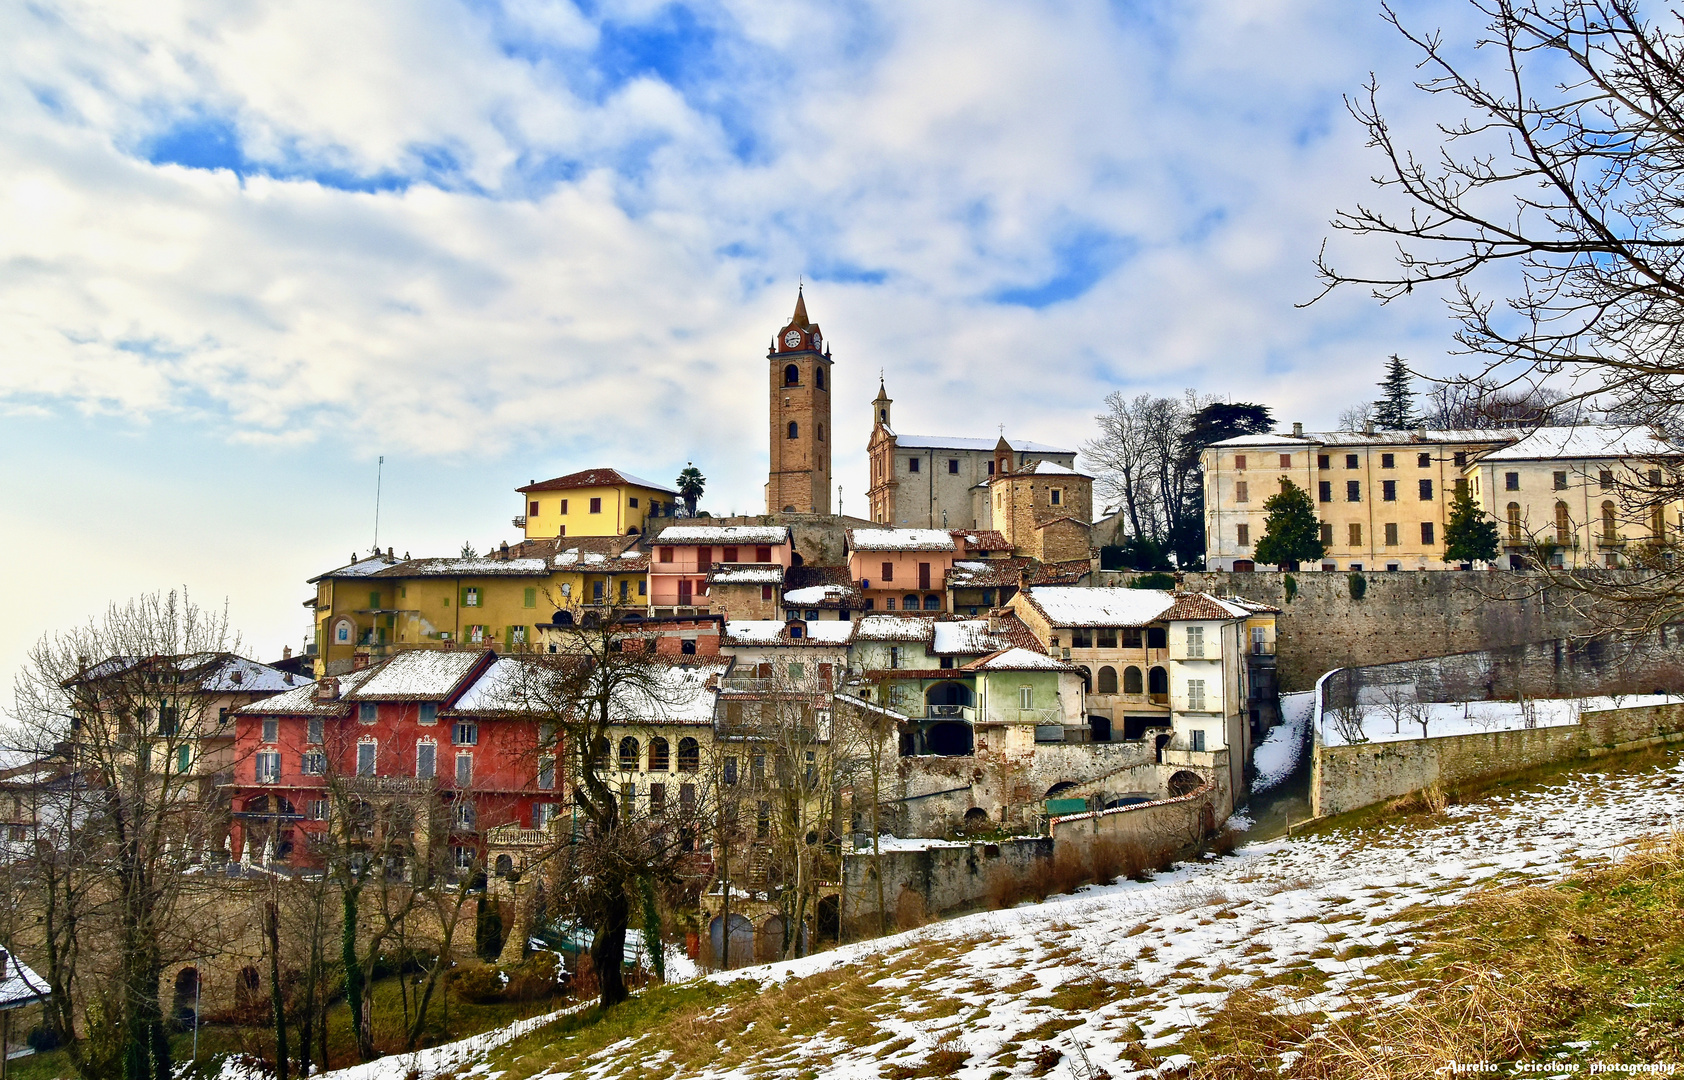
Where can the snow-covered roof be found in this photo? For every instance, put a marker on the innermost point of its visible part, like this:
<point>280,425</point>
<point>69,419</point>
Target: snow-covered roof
<point>21,985</point>
<point>1066,605</point>
<point>1018,659</point>
<point>574,559</point>
<point>1585,441</point>
<point>480,566</point>
<point>893,628</point>
<point>746,574</point>
<point>360,568</point>
<point>237,675</point>
<point>900,540</point>
<point>417,674</point>
<point>949,442</point>
<point>815,594</point>
<point>1049,468</point>
<point>301,701</point>
<point>723,534</point>
<point>680,694</point>
<point>970,637</point>
<point>773,632</point>
<point>1378,438</point>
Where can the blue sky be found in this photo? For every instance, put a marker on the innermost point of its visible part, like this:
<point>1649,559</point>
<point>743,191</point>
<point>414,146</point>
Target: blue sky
<point>247,248</point>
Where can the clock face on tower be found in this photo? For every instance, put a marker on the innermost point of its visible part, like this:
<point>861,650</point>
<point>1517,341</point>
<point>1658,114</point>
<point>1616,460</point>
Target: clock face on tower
<point>793,338</point>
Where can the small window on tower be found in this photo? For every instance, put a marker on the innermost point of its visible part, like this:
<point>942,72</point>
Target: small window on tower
<point>792,376</point>
<point>911,464</point>
<point>818,433</point>
<point>818,378</point>
<point>953,466</point>
<point>794,430</point>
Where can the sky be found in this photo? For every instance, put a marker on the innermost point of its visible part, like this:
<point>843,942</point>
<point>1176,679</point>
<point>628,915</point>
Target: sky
<point>246,249</point>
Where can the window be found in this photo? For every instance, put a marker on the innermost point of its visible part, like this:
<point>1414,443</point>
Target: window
<point>991,472</point>
<point>1356,534</point>
<point>687,647</point>
<point>911,464</point>
<point>1323,461</point>
<point>426,760</point>
<point>313,763</point>
<point>1563,525</point>
<point>1239,462</point>
<point>1286,461</point>
<point>1026,697</point>
<point>728,554</point>
<point>317,809</point>
<point>1560,480</point>
<point>888,572</point>
<point>1426,487</point>
<point>365,758</point>
<point>910,603</point>
<point>1196,738</point>
<point>1327,534</point>
<point>1462,484</point>
<point>888,604</point>
<point>763,553</point>
<point>1511,481</point>
<point>1654,478</point>
<point>1657,524</point>
<point>1605,479</point>
<point>465,734</point>
<point>476,635</point>
<point>1353,491</point>
<point>894,655</point>
<point>1242,492</point>
<point>657,799</point>
<point>596,505</point>
<point>1131,680</point>
<point>1427,534</point>
<point>762,820</point>
<point>546,773</point>
<point>464,770</point>
<point>632,502</point>
<point>1131,637</point>
<point>1610,530</point>
<point>658,755</point>
<point>1391,534</point>
<point>532,509</point>
<point>1388,491</point>
<point>1324,491</point>
<point>529,598</point>
<point>1196,694</point>
<point>271,729</point>
<point>794,430</point>
<point>268,767</point>
<point>689,755</point>
<point>1514,521</point>
<point>183,759</point>
<point>1351,461</point>
<point>687,797</point>
<point>1388,461</point>
<point>464,815</point>
<point>630,754</point>
<point>470,597</point>
<point>564,506</point>
<point>1057,495</point>
<point>1243,537</point>
<point>1107,637</point>
<point>1107,683</point>
<point>953,466</point>
<point>665,555</point>
<point>313,729</point>
<point>367,712</point>
<point>463,857</point>
<point>765,594</point>
<point>596,592</point>
<point>818,377</point>
<point>1196,642</point>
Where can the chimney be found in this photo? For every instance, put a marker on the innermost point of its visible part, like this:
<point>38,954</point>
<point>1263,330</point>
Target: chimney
<point>1297,429</point>
<point>327,689</point>
<point>286,652</point>
<point>503,551</point>
<point>5,963</point>
<point>1368,428</point>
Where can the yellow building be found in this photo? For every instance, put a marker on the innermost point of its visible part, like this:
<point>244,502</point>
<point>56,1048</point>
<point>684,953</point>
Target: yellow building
<point>592,502</point>
<point>372,608</point>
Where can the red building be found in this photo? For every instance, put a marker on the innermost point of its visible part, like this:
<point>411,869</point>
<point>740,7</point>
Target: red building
<point>426,725</point>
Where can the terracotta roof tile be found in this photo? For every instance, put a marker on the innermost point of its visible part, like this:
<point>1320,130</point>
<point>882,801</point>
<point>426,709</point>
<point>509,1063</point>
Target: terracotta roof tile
<point>585,478</point>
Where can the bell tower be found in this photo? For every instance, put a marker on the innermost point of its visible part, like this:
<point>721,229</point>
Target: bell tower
<point>798,480</point>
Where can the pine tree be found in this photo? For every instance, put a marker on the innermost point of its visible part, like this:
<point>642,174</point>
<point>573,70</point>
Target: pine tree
<point>1291,533</point>
<point>1395,411</point>
<point>1471,535</point>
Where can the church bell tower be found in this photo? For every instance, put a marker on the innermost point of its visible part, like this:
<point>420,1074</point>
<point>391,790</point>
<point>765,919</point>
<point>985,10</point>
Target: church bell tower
<point>799,367</point>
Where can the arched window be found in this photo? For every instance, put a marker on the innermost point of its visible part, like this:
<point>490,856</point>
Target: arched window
<point>818,377</point>
<point>1563,525</point>
<point>1131,680</point>
<point>689,755</point>
<point>794,431</point>
<point>910,603</point>
<point>1610,530</point>
<point>658,759</point>
<point>883,415</point>
<point>1157,682</point>
<point>1108,680</point>
<point>792,376</point>
<point>1087,680</point>
<point>932,602</point>
<point>818,433</point>
<point>1514,521</point>
<point>629,754</point>
<point>505,865</point>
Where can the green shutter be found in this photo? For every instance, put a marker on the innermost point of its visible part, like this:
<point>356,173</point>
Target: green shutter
<point>531,599</point>
<point>373,599</point>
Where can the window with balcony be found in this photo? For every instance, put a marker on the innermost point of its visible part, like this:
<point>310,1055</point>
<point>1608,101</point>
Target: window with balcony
<point>426,760</point>
<point>630,754</point>
<point>365,758</point>
<point>1512,511</point>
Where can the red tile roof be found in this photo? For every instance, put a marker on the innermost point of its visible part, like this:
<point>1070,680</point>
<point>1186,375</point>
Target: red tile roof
<point>594,478</point>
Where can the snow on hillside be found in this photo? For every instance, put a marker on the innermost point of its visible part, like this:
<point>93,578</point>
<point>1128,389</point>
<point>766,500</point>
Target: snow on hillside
<point>1468,718</point>
<point>1278,754</point>
<point>1302,911</point>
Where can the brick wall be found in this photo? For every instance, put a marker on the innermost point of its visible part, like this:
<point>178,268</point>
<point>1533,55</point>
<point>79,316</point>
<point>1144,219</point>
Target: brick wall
<point>1346,778</point>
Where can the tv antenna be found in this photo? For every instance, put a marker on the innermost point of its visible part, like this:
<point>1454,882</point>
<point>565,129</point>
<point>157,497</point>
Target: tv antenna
<point>379,475</point>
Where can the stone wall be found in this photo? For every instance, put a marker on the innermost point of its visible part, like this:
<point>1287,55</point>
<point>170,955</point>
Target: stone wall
<point>1176,823</point>
<point>1403,614</point>
<point>819,538</point>
<point>1346,778</point>
<point>934,881</point>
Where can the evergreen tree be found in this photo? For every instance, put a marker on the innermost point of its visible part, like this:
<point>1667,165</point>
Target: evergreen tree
<point>1291,533</point>
<point>1471,535</point>
<point>690,485</point>
<point>1395,411</point>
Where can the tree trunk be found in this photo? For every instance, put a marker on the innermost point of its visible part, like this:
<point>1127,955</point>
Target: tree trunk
<point>354,978</point>
<point>609,947</point>
<point>277,1002</point>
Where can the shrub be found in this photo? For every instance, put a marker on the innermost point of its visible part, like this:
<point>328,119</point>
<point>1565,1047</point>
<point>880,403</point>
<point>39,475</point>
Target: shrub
<point>1153,581</point>
<point>479,983</point>
<point>1290,585</point>
<point>538,976</point>
<point>1359,586</point>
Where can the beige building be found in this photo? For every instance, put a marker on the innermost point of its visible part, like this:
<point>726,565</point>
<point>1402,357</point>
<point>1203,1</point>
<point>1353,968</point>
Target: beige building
<point>1045,511</point>
<point>1383,497</point>
<point>1579,495</point>
<point>939,481</point>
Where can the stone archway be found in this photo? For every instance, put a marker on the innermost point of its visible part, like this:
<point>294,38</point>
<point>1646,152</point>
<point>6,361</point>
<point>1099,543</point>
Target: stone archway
<point>1184,782</point>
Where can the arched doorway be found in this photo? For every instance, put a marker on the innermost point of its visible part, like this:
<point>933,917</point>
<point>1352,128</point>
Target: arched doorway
<point>742,940</point>
<point>949,698</point>
<point>186,1003</point>
<point>769,942</point>
<point>1157,685</point>
<point>1099,729</point>
<point>1184,783</point>
<point>950,739</point>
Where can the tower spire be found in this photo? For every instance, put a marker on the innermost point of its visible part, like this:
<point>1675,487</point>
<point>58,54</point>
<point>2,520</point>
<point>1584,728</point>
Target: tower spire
<point>800,317</point>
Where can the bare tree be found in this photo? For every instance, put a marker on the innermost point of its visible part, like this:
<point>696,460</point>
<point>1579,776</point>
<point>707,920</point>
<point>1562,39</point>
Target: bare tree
<point>1348,723</point>
<point>1556,182</point>
<point>1395,699</point>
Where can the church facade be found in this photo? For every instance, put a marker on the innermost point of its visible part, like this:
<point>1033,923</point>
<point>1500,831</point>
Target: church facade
<point>942,481</point>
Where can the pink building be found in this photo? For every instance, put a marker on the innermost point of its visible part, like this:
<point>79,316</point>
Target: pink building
<point>901,569</point>
<point>682,555</point>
